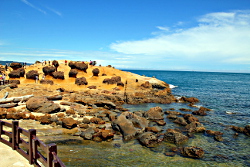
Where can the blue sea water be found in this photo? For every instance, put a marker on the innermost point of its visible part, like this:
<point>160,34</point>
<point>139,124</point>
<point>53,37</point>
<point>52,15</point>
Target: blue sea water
<point>227,94</point>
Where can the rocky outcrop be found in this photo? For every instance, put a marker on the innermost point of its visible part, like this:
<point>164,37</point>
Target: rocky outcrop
<point>174,136</point>
<point>15,74</point>
<point>55,64</point>
<point>112,80</point>
<point>58,75</point>
<point>147,139</point>
<point>15,66</point>
<point>42,105</point>
<point>48,70</point>
<point>69,123</point>
<point>154,113</point>
<point>96,72</point>
<point>78,65</point>
<point>129,125</point>
<point>73,73</point>
<point>32,74</point>
<point>81,81</point>
<point>192,152</point>
<point>189,99</point>
<point>46,81</point>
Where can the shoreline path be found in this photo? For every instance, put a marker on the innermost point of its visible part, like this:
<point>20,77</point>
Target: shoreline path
<point>11,158</point>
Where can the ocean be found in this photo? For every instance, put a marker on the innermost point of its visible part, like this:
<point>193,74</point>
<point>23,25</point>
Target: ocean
<point>227,94</point>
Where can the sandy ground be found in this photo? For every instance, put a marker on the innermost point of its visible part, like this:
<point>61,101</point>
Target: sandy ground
<point>11,158</point>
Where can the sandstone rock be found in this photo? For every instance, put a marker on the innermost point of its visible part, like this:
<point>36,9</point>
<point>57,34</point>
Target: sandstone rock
<point>14,81</point>
<point>189,99</point>
<point>32,74</point>
<point>174,136</point>
<point>55,64</point>
<point>81,81</point>
<point>180,121</point>
<point>48,70</point>
<point>147,139</point>
<point>190,118</point>
<point>195,127</point>
<point>73,73</point>
<point>58,75</point>
<point>96,72</point>
<point>125,123</point>
<point>192,152</point>
<point>213,133</point>
<point>201,112</point>
<point>14,74</point>
<point>15,66</point>
<point>146,85</point>
<point>238,129</point>
<point>154,113</point>
<point>47,81</point>
<point>42,104</point>
<point>88,133</point>
<point>69,123</point>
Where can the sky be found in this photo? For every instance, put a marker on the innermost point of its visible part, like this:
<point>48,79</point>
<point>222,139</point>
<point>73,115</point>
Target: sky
<point>186,35</point>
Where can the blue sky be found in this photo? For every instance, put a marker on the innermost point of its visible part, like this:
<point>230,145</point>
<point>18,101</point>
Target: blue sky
<point>207,35</point>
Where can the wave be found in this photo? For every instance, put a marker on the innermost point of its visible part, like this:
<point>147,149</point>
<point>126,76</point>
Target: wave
<point>172,86</point>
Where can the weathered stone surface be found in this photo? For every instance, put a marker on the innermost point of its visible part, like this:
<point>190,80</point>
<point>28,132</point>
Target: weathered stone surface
<point>189,99</point>
<point>146,85</point>
<point>213,133</point>
<point>192,152</point>
<point>48,70</point>
<point>81,81</point>
<point>58,75</point>
<point>15,66</point>
<point>195,127</point>
<point>55,64</point>
<point>32,74</point>
<point>201,111</point>
<point>147,139</point>
<point>14,81</point>
<point>73,73</point>
<point>96,72</point>
<point>46,81</point>
<point>42,105</point>
<point>15,74</point>
<point>88,133</point>
<point>154,113</point>
<point>174,136</point>
<point>125,123</point>
<point>180,121</point>
<point>69,123</point>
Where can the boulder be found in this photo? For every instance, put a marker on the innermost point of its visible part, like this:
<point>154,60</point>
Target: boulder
<point>46,119</point>
<point>42,105</point>
<point>180,121</point>
<point>88,133</point>
<point>48,70</point>
<point>14,74</point>
<point>81,66</point>
<point>190,118</point>
<point>55,64</point>
<point>73,73</point>
<point>174,136</point>
<point>96,72</point>
<point>32,74</point>
<point>81,81</point>
<point>146,85</point>
<point>69,123</point>
<point>154,113</point>
<point>14,81</point>
<point>125,123</point>
<point>192,152</point>
<point>15,66</point>
<point>189,99</point>
<point>22,72</point>
<point>58,75</point>
<point>195,127</point>
<point>201,111</point>
<point>120,84</point>
<point>247,130</point>
<point>147,139</point>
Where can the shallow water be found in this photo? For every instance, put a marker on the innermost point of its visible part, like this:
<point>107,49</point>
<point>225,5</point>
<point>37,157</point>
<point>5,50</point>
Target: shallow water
<point>223,92</point>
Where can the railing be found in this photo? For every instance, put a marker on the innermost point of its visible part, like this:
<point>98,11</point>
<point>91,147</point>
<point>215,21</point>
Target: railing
<point>34,149</point>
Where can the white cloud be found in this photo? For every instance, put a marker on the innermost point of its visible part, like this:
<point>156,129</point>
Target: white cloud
<point>55,11</point>
<point>218,36</point>
<point>31,5</point>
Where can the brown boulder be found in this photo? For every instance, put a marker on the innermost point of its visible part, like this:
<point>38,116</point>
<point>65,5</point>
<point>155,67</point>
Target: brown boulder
<point>15,74</point>
<point>81,81</point>
<point>195,127</point>
<point>146,85</point>
<point>247,130</point>
<point>147,139</point>
<point>42,105</point>
<point>48,70</point>
<point>96,72</point>
<point>58,75</point>
<point>15,66</point>
<point>174,136</point>
<point>154,113</point>
<point>46,81</point>
<point>14,81</point>
<point>189,99</point>
<point>32,74</point>
<point>73,73</point>
<point>180,121</point>
<point>192,152</point>
<point>45,119</point>
<point>69,123</point>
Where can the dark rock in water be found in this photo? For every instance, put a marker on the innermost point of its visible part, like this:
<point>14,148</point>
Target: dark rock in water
<point>185,109</point>
<point>129,125</point>
<point>107,134</point>
<point>180,121</point>
<point>147,139</point>
<point>154,129</point>
<point>238,129</point>
<point>154,113</point>
<point>247,130</point>
<point>42,105</point>
<point>189,99</point>
<point>192,152</point>
<point>213,133</point>
<point>195,127</point>
<point>81,81</point>
<point>160,122</point>
<point>173,112</point>
<point>175,137</point>
<point>201,111</point>
<point>172,116</point>
<point>69,123</point>
<point>218,138</point>
<point>190,118</point>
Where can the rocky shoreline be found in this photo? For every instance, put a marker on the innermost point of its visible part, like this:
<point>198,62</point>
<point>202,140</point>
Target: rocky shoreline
<point>94,110</point>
